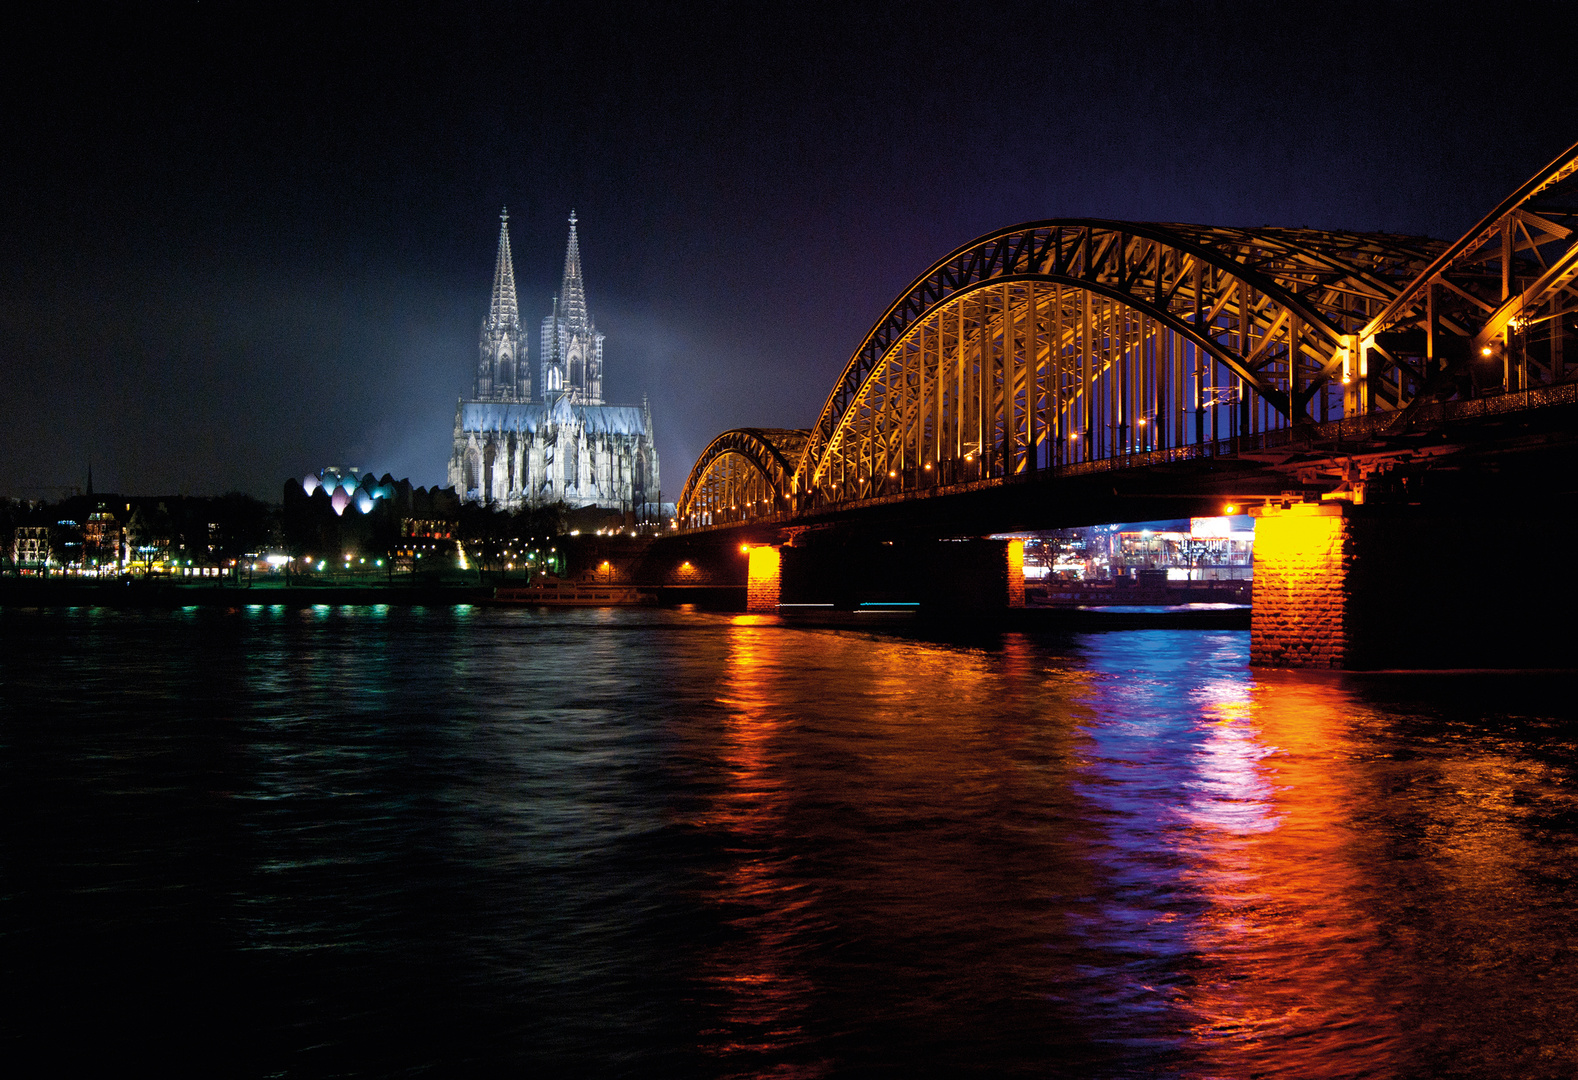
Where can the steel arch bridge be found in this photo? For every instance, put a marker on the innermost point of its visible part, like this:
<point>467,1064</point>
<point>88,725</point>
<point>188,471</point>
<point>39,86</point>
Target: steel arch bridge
<point>1072,344</point>
<point>743,475</point>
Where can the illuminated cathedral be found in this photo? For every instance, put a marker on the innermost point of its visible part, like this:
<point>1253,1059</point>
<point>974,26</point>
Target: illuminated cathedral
<point>515,449</point>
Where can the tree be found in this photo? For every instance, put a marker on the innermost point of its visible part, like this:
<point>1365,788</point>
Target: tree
<point>65,541</point>
<point>10,517</point>
<point>245,525</point>
<point>151,533</point>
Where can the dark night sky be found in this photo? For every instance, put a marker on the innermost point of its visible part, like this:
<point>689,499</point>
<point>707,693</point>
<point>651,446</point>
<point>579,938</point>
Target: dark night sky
<point>241,241</point>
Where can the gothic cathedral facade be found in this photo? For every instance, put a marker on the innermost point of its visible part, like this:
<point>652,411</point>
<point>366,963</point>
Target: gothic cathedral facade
<point>514,449</point>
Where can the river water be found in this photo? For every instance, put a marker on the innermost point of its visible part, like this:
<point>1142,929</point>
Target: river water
<point>458,841</point>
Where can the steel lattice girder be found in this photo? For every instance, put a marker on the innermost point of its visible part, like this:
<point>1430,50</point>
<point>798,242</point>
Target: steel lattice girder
<point>1046,316</point>
<point>736,458</point>
<point>1205,283</point>
<point>1519,263</point>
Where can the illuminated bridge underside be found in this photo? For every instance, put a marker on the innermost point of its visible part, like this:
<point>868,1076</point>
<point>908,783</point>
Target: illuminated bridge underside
<point>1066,343</point>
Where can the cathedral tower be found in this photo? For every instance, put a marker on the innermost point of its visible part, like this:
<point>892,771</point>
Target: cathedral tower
<point>572,349</point>
<point>502,371</point>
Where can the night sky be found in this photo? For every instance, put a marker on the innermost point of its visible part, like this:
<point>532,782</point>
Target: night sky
<point>244,241</point>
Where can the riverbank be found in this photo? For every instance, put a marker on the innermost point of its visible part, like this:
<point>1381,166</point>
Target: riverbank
<point>134,592</point>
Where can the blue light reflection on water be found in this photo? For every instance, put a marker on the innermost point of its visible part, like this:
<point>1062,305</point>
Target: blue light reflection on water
<point>375,840</point>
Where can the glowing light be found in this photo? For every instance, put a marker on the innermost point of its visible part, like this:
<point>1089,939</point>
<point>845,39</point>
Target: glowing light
<point>762,579</point>
<point>892,473</point>
<point>928,466</point>
<point>1229,509</point>
<point>745,549</point>
<point>1486,351</point>
<point>1217,527</point>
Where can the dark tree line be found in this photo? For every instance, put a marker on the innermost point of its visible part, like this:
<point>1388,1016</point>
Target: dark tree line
<point>221,531</point>
<point>202,531</point>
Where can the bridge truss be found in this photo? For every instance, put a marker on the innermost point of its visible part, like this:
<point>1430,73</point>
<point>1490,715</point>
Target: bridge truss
<point>742,475</point>
<point>1493,313</point>
<point>1067,343</point>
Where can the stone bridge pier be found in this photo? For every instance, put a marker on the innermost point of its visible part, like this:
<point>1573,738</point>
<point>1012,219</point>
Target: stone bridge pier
<point>1368,587</point>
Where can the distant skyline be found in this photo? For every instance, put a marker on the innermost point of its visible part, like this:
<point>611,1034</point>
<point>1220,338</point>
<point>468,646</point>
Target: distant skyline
<point>241,242</point>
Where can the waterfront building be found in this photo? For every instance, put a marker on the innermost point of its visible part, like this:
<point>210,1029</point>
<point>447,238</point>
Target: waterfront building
<point>514,448</point>
<point>103,541</point>
<point>31,545</point>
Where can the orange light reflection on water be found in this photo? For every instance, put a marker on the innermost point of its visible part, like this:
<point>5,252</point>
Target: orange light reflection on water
<point>763,989</point>
<point>1133,850</point>
<point>1276,849</point>
<point>1240,883</point>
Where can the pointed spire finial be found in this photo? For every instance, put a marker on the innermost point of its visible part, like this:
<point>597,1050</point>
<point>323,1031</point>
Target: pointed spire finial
<point>572,292</point>
<point>503,310</point>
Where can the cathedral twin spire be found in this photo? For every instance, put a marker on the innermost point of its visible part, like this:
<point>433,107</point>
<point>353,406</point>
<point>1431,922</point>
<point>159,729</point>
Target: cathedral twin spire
<point>504,311</point>
<point>502,374</point>
<point>572,349</point>
<point>572,294</point>
<point>571,363</point>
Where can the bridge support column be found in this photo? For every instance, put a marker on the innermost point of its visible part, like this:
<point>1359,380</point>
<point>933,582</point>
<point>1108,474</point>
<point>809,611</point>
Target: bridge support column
<point>1299,617</point>
<point>1381,586</point>
<point>974,575</point>
<point>764,579</point>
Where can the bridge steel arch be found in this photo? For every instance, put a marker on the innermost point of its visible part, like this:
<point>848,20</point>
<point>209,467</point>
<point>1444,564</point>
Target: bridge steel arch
<point>1085,343</point>
<point>1492,311</point>
<point>1070,341</point>
<point>743,474</point>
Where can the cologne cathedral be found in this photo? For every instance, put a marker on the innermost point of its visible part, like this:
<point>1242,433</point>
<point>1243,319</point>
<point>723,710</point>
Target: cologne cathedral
<point>514,449</point>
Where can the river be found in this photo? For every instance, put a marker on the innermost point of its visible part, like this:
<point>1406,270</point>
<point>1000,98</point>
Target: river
<point>464,841</point>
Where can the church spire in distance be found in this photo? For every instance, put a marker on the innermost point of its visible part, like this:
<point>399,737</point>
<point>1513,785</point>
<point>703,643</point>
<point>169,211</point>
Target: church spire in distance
<point>572,296</point>
<point>503,311</point>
